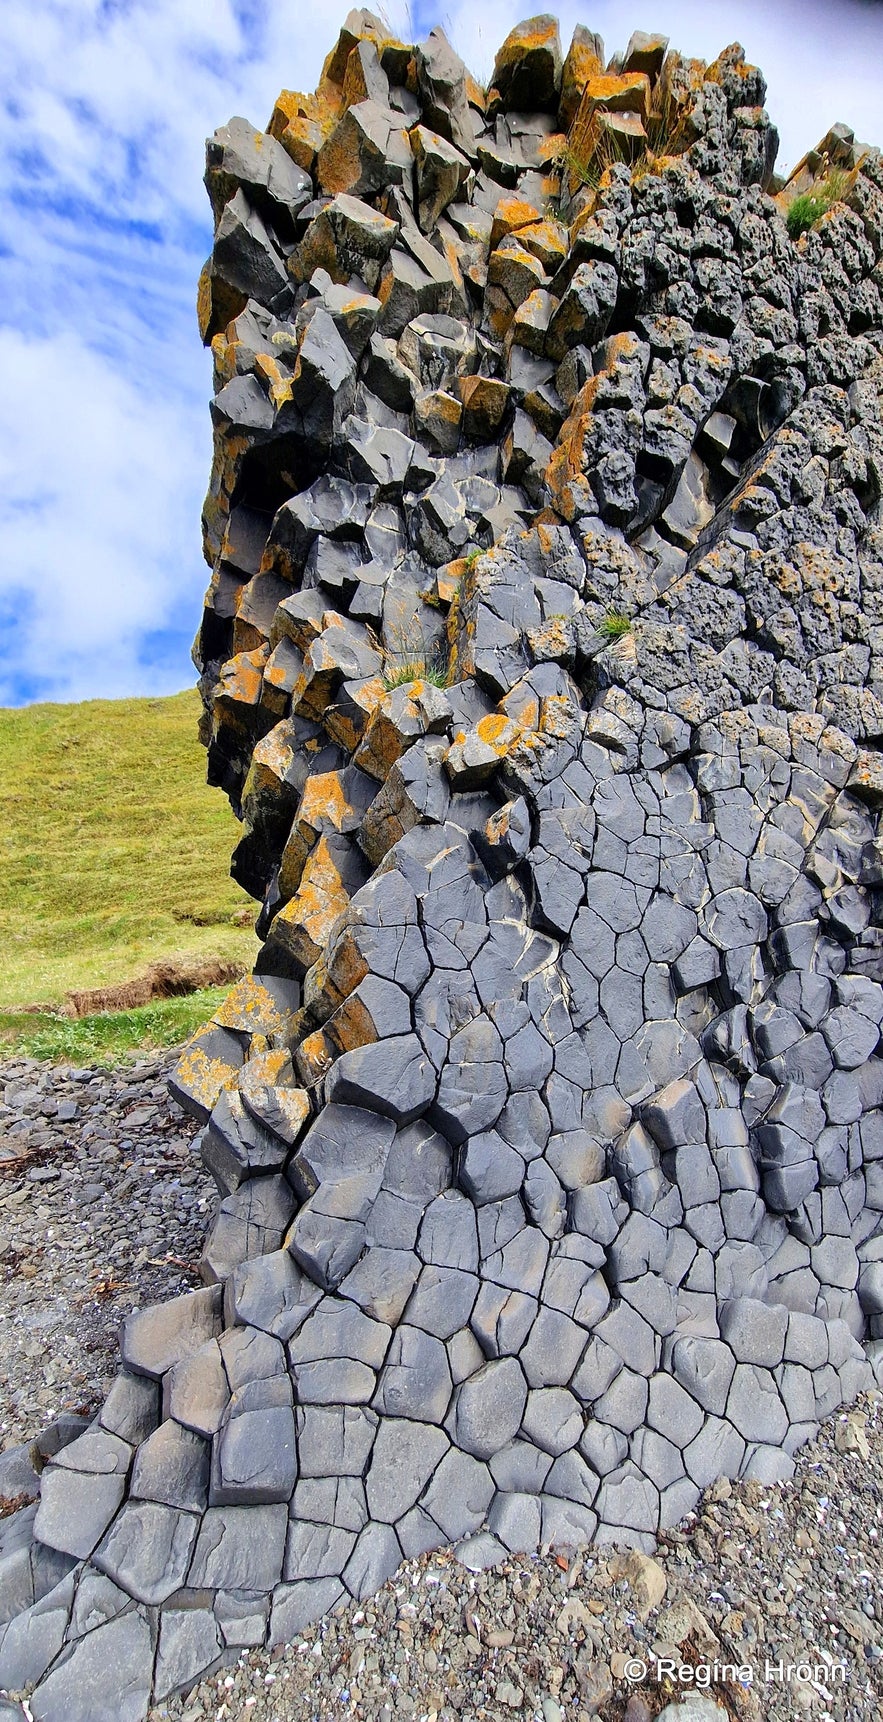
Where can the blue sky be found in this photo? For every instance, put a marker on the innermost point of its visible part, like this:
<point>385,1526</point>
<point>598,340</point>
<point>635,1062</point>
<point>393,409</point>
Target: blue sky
<point>104,225</point>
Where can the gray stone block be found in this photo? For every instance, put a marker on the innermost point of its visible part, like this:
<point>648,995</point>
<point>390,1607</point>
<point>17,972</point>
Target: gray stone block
<point>272,1293</point>
<point>705,1368</point>
<point>459,1494</point>
<point>240,1548</point>
<point>77,1686</point>
<point>334,1440</point>
<point>628,1501</point>
<point>553,1350</point>
<point>755,1407</point>
<point>416,1379</point>
<point>553,1419</point>
<point>441,1302</point>
<point>754,1331</point>
<point>516,1522</point>
<point>567,1524</point>
<point>502,1319</point>
<point>147,1550</point>
<point>76,1508</point>
<point>448,1236</point>
<point>297,1606</point>
<point>520,1468</point>
<point>374,1559</point>
<point>488,1407</point>
<point>242,1618</point>
<point>603,1447</point>
<point>34,1638</point>
<point>189,1647</point>
<point>404,1456</point>
<point>338,1328</point>
<point>314,1551</point>
<point>672,1410</point>
<point>572,1479</point>
<point>254,1454</point>
<point>131,1409</point>
<point>172,1466</point>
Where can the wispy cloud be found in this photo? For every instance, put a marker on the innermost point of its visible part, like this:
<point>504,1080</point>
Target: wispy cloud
<point>104,225</point>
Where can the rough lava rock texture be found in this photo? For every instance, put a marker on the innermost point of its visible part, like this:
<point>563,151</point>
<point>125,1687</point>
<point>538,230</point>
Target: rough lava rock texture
<point>542,659</point>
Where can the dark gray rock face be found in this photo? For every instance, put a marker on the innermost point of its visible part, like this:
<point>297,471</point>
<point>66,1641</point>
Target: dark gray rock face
<point>541,661</point>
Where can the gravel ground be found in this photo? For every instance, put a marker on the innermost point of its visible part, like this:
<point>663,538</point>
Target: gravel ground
<point>103,1208</point>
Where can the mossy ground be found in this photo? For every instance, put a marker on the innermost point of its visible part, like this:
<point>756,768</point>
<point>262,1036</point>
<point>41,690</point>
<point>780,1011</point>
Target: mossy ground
<point>113,854</point>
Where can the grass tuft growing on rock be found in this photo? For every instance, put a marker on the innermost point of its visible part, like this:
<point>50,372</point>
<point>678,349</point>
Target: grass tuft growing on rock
<point>615,625</point>
<point>804,211</point>
<point>401,675</point>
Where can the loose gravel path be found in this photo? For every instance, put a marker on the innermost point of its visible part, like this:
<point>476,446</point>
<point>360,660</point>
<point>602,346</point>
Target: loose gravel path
<point>103,1207</point>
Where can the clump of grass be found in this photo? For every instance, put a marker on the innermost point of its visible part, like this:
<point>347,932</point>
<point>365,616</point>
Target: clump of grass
<point>399,675</point>
<point>804,211</point>
<point>584,161</point>
<point>615,625</point>
<point>111,1037</point>
<point>473,556</point>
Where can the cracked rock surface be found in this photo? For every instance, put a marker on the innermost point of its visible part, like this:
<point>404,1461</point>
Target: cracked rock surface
<point>541,661</point>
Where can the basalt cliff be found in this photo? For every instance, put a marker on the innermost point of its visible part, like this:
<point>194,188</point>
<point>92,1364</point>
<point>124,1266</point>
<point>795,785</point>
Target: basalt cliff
<point>542,659</point>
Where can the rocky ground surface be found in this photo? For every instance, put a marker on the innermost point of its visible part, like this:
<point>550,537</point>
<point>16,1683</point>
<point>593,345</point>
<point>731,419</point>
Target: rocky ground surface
<point>104,1208</point>
<point>756,1578</point>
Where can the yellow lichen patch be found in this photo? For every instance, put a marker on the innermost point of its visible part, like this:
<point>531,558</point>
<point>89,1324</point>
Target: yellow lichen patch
<point>549,153</point>
<point>250,1009</point>
<point>302,926</point>
<point>545,240</point>
<point>264,1070</point>
<point>278,381</point>
<point>485,404</point>
<point>271,761</point>
<point>239,687</point>
<point>565,474</point>
<point>525,39</point>
<point>204,299</point>
<point>582,63</point>
<point>302,123</point>
<point>347,721</point>
<point>510,214</point>
<point>627,93</point>
<point>351,1025</point>
<point>494,729</point>
<point>323,807</point>
<point>203,1079</point>
<point>522,706</point>
<point>314,1058</point>
<point>334,976</point>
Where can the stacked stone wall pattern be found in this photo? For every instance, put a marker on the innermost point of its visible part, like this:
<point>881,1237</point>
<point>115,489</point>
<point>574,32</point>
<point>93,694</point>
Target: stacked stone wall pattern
<point>542,660</point>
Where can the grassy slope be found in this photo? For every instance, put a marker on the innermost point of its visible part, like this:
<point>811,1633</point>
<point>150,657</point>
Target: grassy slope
<point>113,852</point>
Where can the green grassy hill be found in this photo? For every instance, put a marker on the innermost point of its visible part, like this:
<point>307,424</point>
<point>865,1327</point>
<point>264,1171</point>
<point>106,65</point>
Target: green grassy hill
<point>113,852</point>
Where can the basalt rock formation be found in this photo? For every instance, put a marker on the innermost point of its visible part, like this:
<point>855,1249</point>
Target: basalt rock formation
<point>542,659</point>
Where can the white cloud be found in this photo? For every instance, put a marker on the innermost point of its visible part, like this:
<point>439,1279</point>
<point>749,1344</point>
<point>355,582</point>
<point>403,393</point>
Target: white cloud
<point>97,519</point>
<point>104,221</point>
